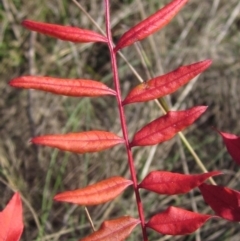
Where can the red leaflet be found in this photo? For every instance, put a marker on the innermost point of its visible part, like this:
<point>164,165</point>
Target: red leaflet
<point>173,183</point>
<point>69,87</point>
<point>66,33</point>
<point>224,201</point>
<point>114,230</point>
<point>232,143</point>
<point>165,127</point>
<point>11,223</point>
<point>97,193</point>
<point>151,24</point>
<point>176,221</point>
<point>89,141</point>
<point>165,84</point>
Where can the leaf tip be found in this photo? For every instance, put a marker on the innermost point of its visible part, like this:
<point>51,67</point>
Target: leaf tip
<point>207,62</point>
<point>15,82</point>
<point>204,107</point>
<point>26,22</point>
<point>11,83</point>
<point>35,140</point>
<point>201,109</point>
<point>57,197</point>
<point>216,173</point>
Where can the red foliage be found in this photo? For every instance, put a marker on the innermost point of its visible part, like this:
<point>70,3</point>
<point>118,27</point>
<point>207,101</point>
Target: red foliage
<point>224,201</point>
<point>66,33</point>
<point>173,221</point>
<point>69,87</point>
<point>165,84</point>
<point>11,222</point>
<point>114,230</point>
<point>173,183</point>
<point>176,221</point>
<point>164,128</point>
<point>89,141</point>
<point>97,193</point>
<point>150,25</point>
<point>232,143</point>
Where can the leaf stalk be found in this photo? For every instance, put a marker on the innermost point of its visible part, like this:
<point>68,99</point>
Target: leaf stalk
<point>122,118</point>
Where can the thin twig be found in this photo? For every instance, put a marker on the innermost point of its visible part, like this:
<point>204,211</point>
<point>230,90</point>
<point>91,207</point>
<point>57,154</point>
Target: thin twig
<point>89,219</point>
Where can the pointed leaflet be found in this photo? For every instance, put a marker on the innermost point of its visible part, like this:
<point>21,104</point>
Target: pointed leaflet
<point>173,183</point>
<point>224,201</point>
<point>66,33</point>
<point>165,127</point>
<point>69,87</point>
<point>165,84</point>
<point>176,221</point>
<point>83,142</point>
<point>11,223</point>
<point>97,193</point>
<point>232,143</point>
<point>151,24</point>
<point>114,230</point>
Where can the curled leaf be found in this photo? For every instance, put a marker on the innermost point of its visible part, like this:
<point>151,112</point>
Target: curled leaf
<point>97,193</point>
<point>114,230</point>
<point>173,183</point>
<point>151,24</point>
<point>66,33</point>
<point>165,127</point>
<point>176,221</point>
<point>83,142</point>
<point>68,87</point>
<point>165,84</point>
<point>224,201</point>
<point>11,222</point>
<point>232,143</point>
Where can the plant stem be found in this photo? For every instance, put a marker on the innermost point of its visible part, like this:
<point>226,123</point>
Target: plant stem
<point>122,118</point>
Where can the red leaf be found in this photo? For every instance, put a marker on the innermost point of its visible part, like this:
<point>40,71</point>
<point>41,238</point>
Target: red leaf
<point>114,230</point>
<point>232,143</point>
<point>151,24</point>
<point>173,183</point>
<point>165,127</point>
<point>97,193</point>
<point>165,84</point>
<point>89,141</point>
<point>69,87</point>
<point>176,221</point>
<point>11,223</point>
<point>224,201</point>
<point>66,33</point>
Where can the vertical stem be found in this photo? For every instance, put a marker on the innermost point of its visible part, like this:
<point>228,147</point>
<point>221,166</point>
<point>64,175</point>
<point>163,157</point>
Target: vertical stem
<point>122,118</point>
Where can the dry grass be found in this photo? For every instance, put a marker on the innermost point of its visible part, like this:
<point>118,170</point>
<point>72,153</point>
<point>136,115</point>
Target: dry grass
<point>203,29</point>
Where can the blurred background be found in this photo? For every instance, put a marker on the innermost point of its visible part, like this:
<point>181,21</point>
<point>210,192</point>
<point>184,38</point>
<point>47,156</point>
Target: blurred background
<point>203,29</point>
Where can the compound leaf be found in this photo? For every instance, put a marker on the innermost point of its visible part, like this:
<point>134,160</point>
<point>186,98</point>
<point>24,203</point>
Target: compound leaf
<point>66,33</point>
<point>114,230</point>
<point>97,193</point>
<point>176,221</point>
<point>165,127</point>
<point>169,183</point>
<point>165,84</point>
<point>83,142</point>
<point>68,87</point>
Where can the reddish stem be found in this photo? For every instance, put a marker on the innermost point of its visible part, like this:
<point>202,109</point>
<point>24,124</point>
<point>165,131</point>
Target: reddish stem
<point>122,118</point>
